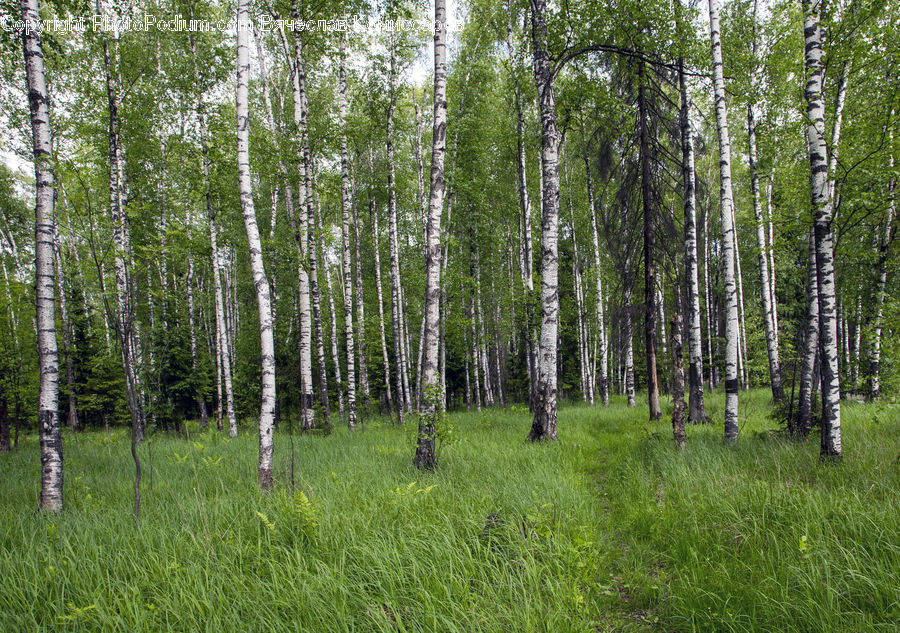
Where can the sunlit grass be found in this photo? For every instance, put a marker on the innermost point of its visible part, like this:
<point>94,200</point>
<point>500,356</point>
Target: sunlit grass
<point>611,528</point>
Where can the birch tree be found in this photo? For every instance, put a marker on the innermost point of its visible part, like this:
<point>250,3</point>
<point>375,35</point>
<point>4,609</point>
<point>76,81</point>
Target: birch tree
<point>48,357</point>
<point>260,280</point>
<point>726,196</point>
<point>545,407</point>
<point>431,381</point>
<point>345,241</point>
<point>696,407</point>
<point>223,346</point>
<point>823,213</point>
<point>762,249</point>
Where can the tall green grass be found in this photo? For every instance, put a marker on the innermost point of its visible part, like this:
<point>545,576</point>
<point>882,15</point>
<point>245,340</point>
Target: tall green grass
<point>611,528</point>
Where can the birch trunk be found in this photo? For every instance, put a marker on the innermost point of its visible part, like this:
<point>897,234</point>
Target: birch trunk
<point>732,333</point>
<point>773,295</point>
<point>48,357</point>
<point>822,208</point>
<point>474,355</point>
<point>282,168</point>
<point>432,402</point>
<point>810,346</point>
<point>68,345</point>
<point>328,292</point>
<point>307,415</point>
<point>581,331</point>
<point>223,347</point>
<point>360,303</point>
<point>603,342</point>
<point>628,336</point>
<point>857,341</point>
<point>384,351</point>
<point>884,239</point>
<point>345,242</point>
<point>189,283</point>
<point>742,320</point>
<point>545,406</point>
<point>260,280</point>
<point>481,341</point>
<point>124,323</point>
<point>649,268</point>
<point>696,406</point>
<point>315,295</point>
<point>677,382</point>
<point>768,316</point>
<point>403,396</point>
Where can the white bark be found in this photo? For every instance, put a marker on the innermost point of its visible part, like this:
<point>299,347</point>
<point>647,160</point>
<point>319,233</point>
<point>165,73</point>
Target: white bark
<point>384,353</point>
<point>298,86</point>
<point>603,342</point>
<point>431,381</point>
<point>315,295</point>
<point>360,304</point>
<point>404,400</point>
<point>696,407</point>
<point>223,340</point>
<point>822,207</point>
<point>345,243</point>
<point>48,357</point>
<point>68,345</point>
<point>545,405</point>
<point>328,292</point>
<point>810,345</point>
<point>762,248</point>
<point>732,332</point>
<point>257,266</point>
<point>773,295</point>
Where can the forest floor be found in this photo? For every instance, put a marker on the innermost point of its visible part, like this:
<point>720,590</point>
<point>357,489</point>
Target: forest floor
<point>610,528</point>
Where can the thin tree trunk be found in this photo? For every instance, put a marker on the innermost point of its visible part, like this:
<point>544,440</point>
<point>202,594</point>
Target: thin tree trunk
<point>581,331</point>
<point>328,291</point>
<point>823,210</point>
<point>857,341</point>
<point>768,316</point>
<point>360,304</point>
<point>315,295</point>
<point>474,355</point>
<point>545,405</point>
<point>307,415</point>
<point>384,353</point>
<point>742,344</point>
<point>282,169</point>
<point>696,406</point>
<point>68,345</point>
<point>481,342</point>
<point>257,266</point>
<point>403,396</point>
<point>189,283</point>
<point>345,242</point>
<point>628,342</point>
<point>811,345</point>
<point>649,268</point>
<point>732,333</point>
<point>884,239</point>
<point>423,208</point>
<point>603,343</point>
<point>773,299</point>
<point>223,346</point>
<point>48,357</point>
<point>425,456</point>
<point>677,383</point>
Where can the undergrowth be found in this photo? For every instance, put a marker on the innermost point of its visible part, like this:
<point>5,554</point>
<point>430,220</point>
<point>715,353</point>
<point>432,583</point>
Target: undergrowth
<point>610,528</point>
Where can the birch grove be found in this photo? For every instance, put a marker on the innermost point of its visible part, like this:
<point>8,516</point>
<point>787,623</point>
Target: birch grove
<point>391,287</point>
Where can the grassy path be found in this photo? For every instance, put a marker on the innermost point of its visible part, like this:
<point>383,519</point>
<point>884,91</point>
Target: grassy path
<point>608,529</point>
